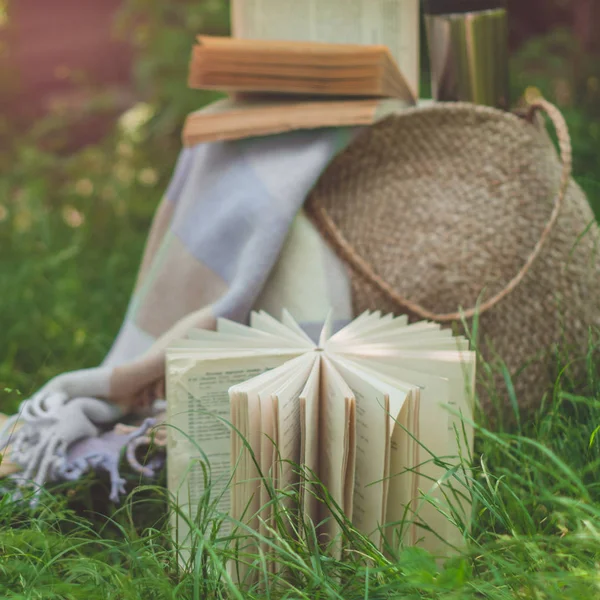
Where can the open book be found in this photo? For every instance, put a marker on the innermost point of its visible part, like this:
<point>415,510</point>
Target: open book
<point>364,412</point>
<point>252,116</point>
<point>301,68</point>
<point>391,23</point>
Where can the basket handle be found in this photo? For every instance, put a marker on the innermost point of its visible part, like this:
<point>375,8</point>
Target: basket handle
<point>363,268</point>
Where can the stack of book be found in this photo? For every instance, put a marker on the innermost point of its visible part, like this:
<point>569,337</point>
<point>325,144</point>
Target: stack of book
<point>283,70</point>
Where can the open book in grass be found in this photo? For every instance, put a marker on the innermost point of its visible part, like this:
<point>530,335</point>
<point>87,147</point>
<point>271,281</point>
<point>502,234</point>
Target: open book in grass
<point>369,417</point>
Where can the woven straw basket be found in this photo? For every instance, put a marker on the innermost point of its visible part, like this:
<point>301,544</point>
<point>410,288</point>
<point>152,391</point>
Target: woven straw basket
<point>436,209</point>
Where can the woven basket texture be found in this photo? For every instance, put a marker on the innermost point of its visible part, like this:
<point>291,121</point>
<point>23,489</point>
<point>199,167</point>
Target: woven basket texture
<point>445,205</point>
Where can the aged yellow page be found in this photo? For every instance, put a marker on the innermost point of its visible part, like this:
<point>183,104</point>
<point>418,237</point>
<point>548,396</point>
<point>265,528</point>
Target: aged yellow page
<point>247,485</point>
<point>428,419</point>
<point>288,434</point>
<point>372,440</point>
<point>400,522</point>
<point>383,406</point>
<point>458,368</point>
<point>283,449</point>
<point>247,395</point>
<point>199,431</point>
<point>444,379</point>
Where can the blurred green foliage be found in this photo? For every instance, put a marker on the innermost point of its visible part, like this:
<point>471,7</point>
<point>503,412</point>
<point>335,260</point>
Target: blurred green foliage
<point>72,229</point>
<point>557,66</point>
<point>73,223</point>
<point>163,34</point>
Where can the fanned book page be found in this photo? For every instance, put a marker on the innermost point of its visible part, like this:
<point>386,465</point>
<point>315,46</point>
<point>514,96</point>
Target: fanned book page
<point>369,422</point>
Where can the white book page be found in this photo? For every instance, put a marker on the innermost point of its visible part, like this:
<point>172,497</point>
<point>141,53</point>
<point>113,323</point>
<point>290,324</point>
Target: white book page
<point>396,388</point>
<point>247,485</point>
<point>395,336</point>
<point>412,347</point>
<point>402,492</point>
<point>326,330</point>
<point>433,343</point>
<point>198,415</point>
<point>400,331</point>
<point>233,327</point>
<point>283,449</point>
<point>291,323</point>
<point>360,319</point>
<point>457,367</point>
<point>252,396</point>
<point>379,411</point>
<point>397,326</point>
<point>431,337</point>
<point>217,340</point>
<point>267,435</point>
<point>264,322</point>
<point>364,321</point>
<point>209,336</point>
<point>200,352</point>
<point>309,442</point>
<point>357,328</point>
<point>286,400</point>
<point>377,321</point>
<point>336,446</point>
<point>394,23</point>
<point>263,406</point>
<point>441,374</point>
<point>403,489</point>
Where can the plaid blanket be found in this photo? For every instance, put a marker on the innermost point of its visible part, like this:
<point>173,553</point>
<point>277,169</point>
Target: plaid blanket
<point>229,236</point>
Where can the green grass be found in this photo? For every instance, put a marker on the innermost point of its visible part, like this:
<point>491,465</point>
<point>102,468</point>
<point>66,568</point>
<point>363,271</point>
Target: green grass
<point>72,230</point>
<point>534,533</point>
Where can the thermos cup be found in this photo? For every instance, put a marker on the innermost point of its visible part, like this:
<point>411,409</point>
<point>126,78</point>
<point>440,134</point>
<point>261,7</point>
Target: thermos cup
<point>468,50</point>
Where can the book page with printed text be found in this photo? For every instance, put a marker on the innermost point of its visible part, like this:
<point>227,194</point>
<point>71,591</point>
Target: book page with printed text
<point>393,23</point>
<point>199,435</point>
<point>337,447</point>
